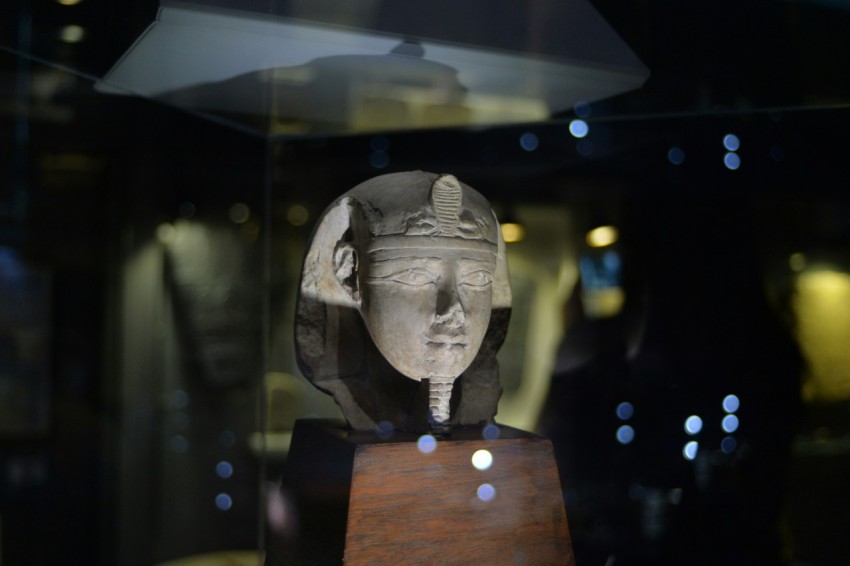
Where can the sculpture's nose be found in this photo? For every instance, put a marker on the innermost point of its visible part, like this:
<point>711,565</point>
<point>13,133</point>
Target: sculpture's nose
<point>450,313</point>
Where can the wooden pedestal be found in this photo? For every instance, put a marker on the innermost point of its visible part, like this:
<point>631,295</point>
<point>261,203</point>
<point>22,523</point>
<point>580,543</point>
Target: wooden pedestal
<point>372,500</point>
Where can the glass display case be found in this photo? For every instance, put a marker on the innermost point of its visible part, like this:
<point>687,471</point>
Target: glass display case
<point>670,182</point>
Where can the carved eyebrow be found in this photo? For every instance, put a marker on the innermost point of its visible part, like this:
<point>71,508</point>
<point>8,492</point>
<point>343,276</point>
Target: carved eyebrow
<point>405,258</point>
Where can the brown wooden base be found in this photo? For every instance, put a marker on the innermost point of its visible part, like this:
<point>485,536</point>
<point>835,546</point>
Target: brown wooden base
<point>373,500</point>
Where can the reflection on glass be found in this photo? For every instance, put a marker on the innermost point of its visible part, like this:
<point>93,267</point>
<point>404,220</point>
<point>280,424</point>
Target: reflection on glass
<point>224,469</point>
<point>676,155</point>
<point>385,429</point>
<point>625,410</point>
<point>731,403</point>
<point>512,232</point>
<point>732,161</point>
<point>72,34</point>
<point>529,141</point>
<point>731,142</point>
<point>223,501</point>
<point>491,432</point>
<point>486,492</point>
<point>730,423</point>
<point>239,213</point>
<point>482,460</point>
<point>186,210</point>
<point>226,438</point>
<point>579,128</point>
<point>690,450</point>
<point>379,159</point>
<point>601,237</point>
<point>584,148</point>
<point>728,444</point>
<point>179,444</point>
<point>297,215</point>
<point>693,425</point>
<point>426,443</point>
<point>797,261</point>
<point>582,109</point>
<point>625,434</point>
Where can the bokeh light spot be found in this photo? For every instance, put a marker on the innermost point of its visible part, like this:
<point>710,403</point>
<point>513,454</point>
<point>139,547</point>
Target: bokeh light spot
<point>486,492</point>
<point>179,444</point>
<point>690,450</point>
<point>728,444</point>
<point>579,128</point>
<point>379,159</point>
<point>239,213</point>
<point>529,141</point>
<point>731,142</point>
<point>730,423</point>
<point>731,403</point>
<point>693,424</point>
<point>625,410</point>
<point>625,434</point>
<point>482,460</point>
<point>731,161</point>
<point>491,432</point>
<point>676,155</point>
<point>426,443</point>
<point>224,469</point>
<point>223,501</point>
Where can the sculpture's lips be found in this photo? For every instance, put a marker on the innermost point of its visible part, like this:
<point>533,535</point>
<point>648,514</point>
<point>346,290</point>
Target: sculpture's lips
<point>447,341</point>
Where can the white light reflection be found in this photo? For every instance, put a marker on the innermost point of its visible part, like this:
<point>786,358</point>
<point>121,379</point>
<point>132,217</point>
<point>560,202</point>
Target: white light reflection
<point>529,141</point>
<point>72,34</point>
<point>690,450</point>
<point>676,155</point>
<point>728,444</point>
<point>223,501</point>
<point>625,434</point>
<point>693,425</point>
<point>625,410</point>
<point>224,469</point>
<point>426,443</point>
<point>730,423</point>
<point>482,460</point>
<point>486,492</point>
<point>731,161</point>
<point>579,128</point>
<point>491,432</point>
<point>731,403</point>
<point>731,142</point>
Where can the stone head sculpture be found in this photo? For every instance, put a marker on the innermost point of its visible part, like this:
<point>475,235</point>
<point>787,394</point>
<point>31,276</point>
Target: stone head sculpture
<point>404,301</point>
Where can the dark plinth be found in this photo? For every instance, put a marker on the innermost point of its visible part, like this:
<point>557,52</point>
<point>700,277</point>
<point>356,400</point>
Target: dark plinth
<point>373,500</point>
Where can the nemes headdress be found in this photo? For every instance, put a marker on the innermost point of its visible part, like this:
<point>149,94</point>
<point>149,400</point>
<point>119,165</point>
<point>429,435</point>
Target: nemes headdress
<point>400,210</point>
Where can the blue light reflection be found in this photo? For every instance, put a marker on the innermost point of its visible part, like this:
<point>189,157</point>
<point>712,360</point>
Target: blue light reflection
<point>690,450</point>
<point>731,403</point>
<point>529,141</point>
<point>693,425</point>
<point>579,128</point>
<point>730,423</point>
<point>732,161</point>
<point>486,492</point>
<point>426,443</point>
<point>625,434</point>
<point>731,142</point>
<point>625,411</point>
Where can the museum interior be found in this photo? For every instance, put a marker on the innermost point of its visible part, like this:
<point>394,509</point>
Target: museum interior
<point>668,179</point>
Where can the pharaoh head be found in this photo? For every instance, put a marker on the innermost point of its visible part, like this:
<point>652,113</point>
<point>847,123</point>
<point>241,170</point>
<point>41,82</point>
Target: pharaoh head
<point>419,257</point>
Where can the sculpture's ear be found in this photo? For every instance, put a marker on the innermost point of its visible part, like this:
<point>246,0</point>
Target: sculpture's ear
<point>345,269</point>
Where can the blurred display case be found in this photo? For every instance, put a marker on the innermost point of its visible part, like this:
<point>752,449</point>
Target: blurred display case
<point>671,184</point>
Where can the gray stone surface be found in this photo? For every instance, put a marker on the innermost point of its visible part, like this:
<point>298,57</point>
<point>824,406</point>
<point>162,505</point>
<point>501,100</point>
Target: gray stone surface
<point>404,301</point>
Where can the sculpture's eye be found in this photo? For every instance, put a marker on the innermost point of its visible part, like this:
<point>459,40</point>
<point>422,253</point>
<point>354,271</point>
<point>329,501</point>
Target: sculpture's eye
<point>415,277</point>
<point>478,278</point>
